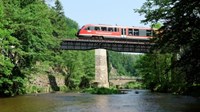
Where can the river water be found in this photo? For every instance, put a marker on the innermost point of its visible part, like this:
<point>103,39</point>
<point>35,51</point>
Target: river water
<point>144,101</point>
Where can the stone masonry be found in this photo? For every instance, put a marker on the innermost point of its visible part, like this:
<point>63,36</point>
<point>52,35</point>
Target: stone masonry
<point>101,68</point>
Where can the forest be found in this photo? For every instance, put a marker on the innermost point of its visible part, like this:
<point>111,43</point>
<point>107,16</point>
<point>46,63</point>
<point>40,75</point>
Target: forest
<point>31,32</point>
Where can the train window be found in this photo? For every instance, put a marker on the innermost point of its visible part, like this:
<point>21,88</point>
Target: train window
<point>130,31</point>
<point>149,33</point>
<point>97,28</point>
<point>142,32</point>
<point>89,28</point>
<point>136,32</point>
<point>103,29</point>
<point>110,29</point>
<point>116,29</point>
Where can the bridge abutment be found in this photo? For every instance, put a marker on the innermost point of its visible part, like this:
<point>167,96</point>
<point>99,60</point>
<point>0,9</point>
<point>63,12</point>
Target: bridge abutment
<point>101,68</point>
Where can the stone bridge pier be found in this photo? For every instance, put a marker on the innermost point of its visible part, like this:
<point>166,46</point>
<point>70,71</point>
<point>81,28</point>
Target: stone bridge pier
<point>101,68</point>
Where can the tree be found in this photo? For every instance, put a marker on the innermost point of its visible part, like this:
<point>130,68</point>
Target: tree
<point>30,38</point>
<point>58,20</point>
<point>124,63</point>
<point>152,68</point>
<point>26,39</point>
<point>10,83</point>
<point>179,34</point>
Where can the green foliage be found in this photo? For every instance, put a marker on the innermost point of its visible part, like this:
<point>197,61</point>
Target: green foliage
<point>37,89</point>
<point>154,70</point>
<point>64,88</point>
<point>124,63</point>
<point>102,90</point>
<point>156,25</point>
<point>73,28</point>
<point>84,83</point>
<point>80,64</point>
<point>134,85</point>
<point>6,65</point>
<point>58,20</point>
<point>179,35</point>
<point>11,80</point>
<point>30,38</point>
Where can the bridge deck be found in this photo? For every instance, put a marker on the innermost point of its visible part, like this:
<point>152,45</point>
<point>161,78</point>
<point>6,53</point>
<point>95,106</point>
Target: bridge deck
<point>120,46</point>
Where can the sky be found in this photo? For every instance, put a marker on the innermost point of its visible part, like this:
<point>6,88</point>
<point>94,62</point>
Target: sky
<point>110,12</point>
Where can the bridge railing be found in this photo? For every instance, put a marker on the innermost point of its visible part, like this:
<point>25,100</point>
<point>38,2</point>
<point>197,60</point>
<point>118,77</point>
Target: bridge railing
<point>124,78</point>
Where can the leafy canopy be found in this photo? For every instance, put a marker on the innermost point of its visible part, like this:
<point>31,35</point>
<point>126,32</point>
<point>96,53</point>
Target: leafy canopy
<point>179,34</point>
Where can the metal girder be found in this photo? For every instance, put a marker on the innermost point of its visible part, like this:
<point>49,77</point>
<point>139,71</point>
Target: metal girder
<point>119,46</point>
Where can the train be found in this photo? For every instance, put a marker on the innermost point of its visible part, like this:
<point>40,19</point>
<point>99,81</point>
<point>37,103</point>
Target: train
<point>104,32</point>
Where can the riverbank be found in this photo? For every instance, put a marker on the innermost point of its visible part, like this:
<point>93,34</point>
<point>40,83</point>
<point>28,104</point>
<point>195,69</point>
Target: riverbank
<point>44,83</point>
<point>56,83</point>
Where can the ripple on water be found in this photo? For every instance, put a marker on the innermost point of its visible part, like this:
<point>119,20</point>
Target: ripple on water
<point>143,101</point>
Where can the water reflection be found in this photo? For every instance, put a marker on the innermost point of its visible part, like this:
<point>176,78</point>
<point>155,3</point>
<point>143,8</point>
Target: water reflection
<point>145,101</point>
<point>102,103</point>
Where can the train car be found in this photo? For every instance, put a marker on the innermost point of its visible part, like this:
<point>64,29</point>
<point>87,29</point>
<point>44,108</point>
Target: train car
<point>92,31</point>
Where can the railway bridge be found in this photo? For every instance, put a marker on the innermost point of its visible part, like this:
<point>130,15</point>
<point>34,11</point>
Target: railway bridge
<point>119,46</point>
<point>100,46</point>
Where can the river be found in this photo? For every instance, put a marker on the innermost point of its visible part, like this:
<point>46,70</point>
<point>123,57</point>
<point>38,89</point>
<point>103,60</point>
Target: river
<point>144,101</point>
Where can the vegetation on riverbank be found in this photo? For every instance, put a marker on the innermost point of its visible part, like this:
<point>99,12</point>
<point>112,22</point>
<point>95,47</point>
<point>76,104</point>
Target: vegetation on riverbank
<point>103,90</point>
<point>123,63</point>
<point>173,64</point>
<point>134,85</point>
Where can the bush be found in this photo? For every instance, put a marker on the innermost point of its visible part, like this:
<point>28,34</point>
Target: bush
<point>64,88</point>
<point>102,90</point>
<point>134,85</point>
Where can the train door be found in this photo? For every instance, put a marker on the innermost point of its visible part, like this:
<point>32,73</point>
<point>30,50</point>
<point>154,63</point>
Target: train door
<point>123,32</point>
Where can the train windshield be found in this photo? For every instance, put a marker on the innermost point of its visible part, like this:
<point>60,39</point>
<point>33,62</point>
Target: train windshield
<point>77,34</point>
<point>82,27</point>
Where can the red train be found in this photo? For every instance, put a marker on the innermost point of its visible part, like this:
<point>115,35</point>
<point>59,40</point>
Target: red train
<point>91,31</point>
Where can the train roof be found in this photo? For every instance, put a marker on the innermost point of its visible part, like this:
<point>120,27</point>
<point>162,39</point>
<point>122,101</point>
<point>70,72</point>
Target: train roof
<point>106,25</point>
